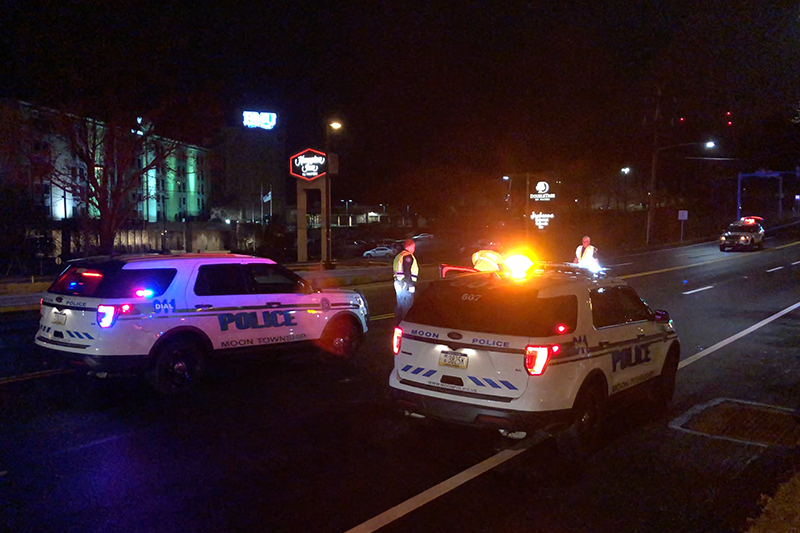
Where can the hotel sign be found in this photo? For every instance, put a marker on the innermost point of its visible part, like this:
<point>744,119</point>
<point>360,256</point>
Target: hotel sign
<point>543,193</point>
<point>255,119</point>
<point>308,165</point>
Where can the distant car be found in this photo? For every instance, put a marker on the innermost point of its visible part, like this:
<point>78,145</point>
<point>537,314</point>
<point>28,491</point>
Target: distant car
<point>380,251</point>
<point>744,233</point>
<point>422,236</point>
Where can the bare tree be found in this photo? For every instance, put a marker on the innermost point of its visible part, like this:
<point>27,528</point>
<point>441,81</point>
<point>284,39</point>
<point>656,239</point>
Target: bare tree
<point>111,166</point>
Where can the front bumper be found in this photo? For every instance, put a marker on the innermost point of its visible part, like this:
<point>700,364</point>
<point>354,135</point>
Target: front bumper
<point>480,416</point>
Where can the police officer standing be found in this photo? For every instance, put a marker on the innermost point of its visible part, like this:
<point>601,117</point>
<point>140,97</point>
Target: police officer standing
<point>406,271</point>
<point>585,254</point>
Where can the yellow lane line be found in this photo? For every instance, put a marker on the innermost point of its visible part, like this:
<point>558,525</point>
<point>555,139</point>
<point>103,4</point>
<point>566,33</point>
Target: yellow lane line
<point>381,317</point>
<point>36,375</point>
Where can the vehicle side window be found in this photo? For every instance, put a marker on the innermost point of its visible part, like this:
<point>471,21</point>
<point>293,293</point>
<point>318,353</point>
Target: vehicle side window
<point>612,306</point>
<point>634,308</point>
<point>273,279</point>
<point>220,280</point>
<point>605,307</point>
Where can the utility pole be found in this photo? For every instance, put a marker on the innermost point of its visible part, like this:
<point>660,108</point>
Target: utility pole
<point>527,204</point>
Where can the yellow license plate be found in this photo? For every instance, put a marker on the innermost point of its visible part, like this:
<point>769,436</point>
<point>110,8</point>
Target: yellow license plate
<point>454,359</point>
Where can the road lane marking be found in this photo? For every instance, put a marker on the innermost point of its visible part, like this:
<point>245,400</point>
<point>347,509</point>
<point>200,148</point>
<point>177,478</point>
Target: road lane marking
<point>620,265</point>
<point>721,344</point>
<point>381,317</point>
<point>774,269</point>
<point>796,262</point>
<point>700,289</point>
<point>432,493</point>
<point>671,269</point>
<point>36,375</point>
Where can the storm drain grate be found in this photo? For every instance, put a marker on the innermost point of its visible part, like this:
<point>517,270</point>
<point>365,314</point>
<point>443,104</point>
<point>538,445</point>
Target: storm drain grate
<point>752,423</point>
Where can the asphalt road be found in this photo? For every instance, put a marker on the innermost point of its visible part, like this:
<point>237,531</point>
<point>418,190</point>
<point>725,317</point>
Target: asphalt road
<point>286,443</point>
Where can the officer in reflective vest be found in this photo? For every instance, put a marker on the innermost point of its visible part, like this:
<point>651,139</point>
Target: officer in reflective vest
<point>487,261</point>
<point>585,253</point>
<point>406,271</point>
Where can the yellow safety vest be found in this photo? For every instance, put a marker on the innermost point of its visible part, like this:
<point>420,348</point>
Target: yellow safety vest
<point>487,260</point>
<point>399,275</point>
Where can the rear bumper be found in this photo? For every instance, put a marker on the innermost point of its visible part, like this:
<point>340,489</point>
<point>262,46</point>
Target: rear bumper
<point>115,364</point>
<point>480,416</point>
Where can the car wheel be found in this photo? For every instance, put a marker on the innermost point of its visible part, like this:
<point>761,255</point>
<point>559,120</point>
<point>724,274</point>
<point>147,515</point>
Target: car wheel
<point>663,387</point>
<point>582,437</point>
<point>340,340</point>
<point>177,366</point>
<point>369,256</point>
<point>721,248</point>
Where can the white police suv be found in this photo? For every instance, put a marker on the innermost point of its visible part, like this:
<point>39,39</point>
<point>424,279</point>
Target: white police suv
<point>745,233</point>
<point>163,315</point>
<point>545,351</point>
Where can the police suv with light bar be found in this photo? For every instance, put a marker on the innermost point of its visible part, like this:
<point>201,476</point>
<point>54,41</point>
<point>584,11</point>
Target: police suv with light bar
<point>744,233</point>
<point>164,315</point>
<point>545,351</point>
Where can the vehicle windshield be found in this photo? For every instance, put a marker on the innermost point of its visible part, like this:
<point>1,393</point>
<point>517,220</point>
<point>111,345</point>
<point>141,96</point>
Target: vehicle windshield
<point>484,304</point>
<point>742,228</point>
<point>109,280</point>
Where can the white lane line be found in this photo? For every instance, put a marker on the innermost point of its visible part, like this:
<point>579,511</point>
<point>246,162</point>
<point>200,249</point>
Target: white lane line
<point>796,262</point>
<point>774,269</point>
<point>700,289</point>
<point>620,265</point>
<point>373,524</point>
<point>721,344</point>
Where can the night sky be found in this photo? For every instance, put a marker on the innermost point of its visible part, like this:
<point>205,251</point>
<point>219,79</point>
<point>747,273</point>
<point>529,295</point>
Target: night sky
<point>429,92</point>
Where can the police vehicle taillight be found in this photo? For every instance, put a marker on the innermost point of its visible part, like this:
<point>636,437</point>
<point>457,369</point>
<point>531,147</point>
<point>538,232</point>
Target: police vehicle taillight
<point>396,340</point>
<point>536,358</point>
<point>107,314</point>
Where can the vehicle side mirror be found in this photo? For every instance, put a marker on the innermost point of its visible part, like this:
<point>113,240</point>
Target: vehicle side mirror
<point>661,316</point>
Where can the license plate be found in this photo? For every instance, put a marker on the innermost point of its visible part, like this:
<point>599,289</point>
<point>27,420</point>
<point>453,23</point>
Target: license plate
<point>454,359</point>
<point>59,318</point>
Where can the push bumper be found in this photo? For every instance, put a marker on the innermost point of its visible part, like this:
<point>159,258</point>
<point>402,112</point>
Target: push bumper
<point>480,416</point>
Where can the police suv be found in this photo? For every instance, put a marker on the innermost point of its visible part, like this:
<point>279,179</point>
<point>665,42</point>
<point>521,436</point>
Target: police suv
<point>545,351</point>
<point>163,315</point>
<point>744,233</point>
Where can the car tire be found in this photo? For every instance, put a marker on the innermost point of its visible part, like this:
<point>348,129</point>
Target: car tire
<point>663,387</point>
<point>582,437</point>
<point>177,366</point>
<point>721,248</point>
<point>368,256</point>
<point>340,340</point>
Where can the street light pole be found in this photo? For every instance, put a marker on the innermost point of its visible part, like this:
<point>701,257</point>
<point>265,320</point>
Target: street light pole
<point>527,204</point>
<point>327,200</point>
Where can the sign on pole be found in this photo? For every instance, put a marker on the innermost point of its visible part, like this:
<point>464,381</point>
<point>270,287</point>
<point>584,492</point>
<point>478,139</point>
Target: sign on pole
<point>308,165</point>
<point>683,215</point>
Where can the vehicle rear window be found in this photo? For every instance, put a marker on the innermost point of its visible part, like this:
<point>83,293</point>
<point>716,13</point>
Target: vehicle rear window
<point>743,228</point>
<point>491,308</point>
<point>109,280</point>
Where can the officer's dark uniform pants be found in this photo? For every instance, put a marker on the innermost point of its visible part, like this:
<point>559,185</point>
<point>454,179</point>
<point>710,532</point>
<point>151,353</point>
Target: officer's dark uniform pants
<point>405,298</point>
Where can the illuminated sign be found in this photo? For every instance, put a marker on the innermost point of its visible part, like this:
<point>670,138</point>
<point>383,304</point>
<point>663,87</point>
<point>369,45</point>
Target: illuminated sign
<point>308,165</point>
<point>542,193</point>
<point>542,219</point>
<point>255,119</point>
